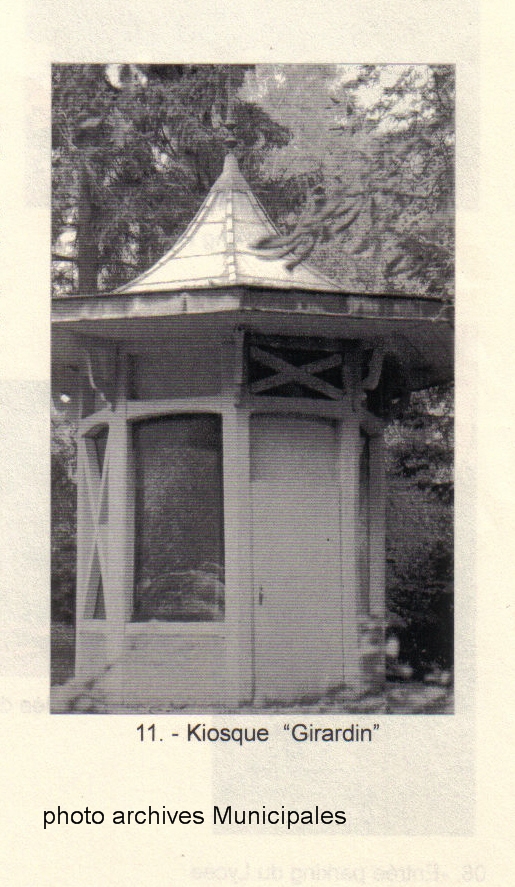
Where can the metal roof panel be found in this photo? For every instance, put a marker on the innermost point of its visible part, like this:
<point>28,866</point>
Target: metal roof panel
<point>218,247</point>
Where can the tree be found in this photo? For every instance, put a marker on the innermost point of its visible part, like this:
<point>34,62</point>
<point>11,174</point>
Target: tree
<point>420,529</point>
<point>63,518</point>
<point>378,211</point>
<point>135,150</point>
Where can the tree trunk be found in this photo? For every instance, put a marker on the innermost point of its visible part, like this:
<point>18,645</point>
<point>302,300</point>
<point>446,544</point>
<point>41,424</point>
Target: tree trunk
<point>87,232</point>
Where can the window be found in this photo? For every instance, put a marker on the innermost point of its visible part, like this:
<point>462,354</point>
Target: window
<point>179,544</point>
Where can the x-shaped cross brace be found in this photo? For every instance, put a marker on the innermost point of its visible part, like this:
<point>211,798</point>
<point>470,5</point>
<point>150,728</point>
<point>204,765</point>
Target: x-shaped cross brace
<point>304,375</point>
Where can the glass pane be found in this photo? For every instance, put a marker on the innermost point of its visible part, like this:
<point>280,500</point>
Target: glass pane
<point>179,542</point>
<point>364,524</point>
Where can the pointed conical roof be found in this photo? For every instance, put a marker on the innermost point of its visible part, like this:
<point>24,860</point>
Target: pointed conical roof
<point>217,248</point>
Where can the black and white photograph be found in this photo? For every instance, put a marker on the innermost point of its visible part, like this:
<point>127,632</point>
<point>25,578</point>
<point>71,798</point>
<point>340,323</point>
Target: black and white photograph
<point>252,388</point>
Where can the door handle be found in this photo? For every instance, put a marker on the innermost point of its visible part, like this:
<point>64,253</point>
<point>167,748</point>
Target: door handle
<point>261,596</point>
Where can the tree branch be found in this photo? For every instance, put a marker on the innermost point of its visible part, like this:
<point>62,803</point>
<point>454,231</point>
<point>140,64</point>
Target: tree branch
<point>56,257</point>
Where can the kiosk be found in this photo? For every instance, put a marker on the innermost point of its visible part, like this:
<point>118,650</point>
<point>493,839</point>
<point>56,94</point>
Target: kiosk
<point>231,487</point>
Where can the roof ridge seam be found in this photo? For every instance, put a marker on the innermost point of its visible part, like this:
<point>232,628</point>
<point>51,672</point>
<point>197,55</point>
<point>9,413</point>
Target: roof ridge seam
<point>229,238</point>
<point>235,220</point>
<point>170,253</point>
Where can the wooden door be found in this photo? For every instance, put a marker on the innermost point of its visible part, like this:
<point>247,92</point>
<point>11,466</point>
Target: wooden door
<point>296,556</point>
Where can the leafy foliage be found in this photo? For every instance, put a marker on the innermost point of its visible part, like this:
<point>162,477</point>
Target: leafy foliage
<point>63,518</point>
<point>380,214</point>
<point>420,529</point>
<point>134,153</point>
<point>420,446</point>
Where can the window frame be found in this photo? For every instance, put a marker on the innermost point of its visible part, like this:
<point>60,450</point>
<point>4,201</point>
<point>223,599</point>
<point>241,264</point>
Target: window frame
<point>194,537</point>
<point>139,411</point>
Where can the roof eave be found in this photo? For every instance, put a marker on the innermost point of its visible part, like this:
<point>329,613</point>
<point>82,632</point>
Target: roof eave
<point>249,297</point>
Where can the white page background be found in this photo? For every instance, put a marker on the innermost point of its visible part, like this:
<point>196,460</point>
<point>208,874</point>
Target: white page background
<point>430,800</point>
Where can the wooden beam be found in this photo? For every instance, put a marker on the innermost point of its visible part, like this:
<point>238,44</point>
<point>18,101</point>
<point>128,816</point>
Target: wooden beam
<point>287,372</point>
<point>118,592</point>
<point>238,570</point>
<point>377,526</point>
<point>349,514</point>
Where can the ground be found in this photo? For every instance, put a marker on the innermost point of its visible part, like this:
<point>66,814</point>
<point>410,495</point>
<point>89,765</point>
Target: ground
<point>401,697</point>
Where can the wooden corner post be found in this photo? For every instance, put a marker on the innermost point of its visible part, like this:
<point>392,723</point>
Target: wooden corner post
<point>349,456</point>
<point>120,549</point>
<point>237,532</point>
